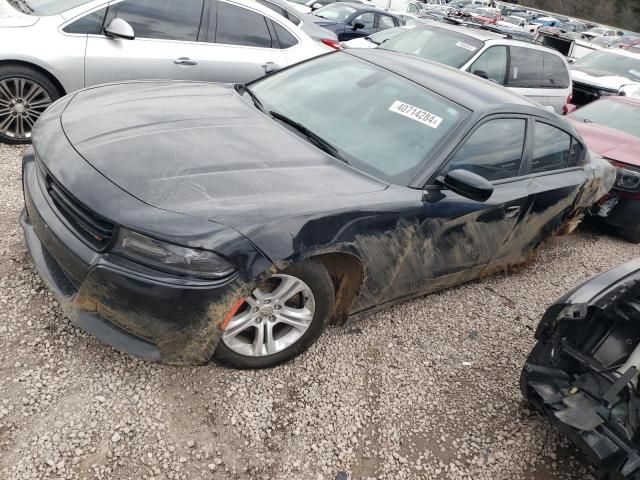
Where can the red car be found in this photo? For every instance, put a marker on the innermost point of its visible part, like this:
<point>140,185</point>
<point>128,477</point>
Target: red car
<point>611,128</point>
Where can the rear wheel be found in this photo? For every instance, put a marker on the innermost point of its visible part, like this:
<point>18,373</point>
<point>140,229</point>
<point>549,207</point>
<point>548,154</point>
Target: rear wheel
<point>25,94</point>
<point>280,319</point>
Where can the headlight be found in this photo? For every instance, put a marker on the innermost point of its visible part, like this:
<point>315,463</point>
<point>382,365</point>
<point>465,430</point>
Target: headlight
<point>171,258</point>
<point>630,91</point>
<point>628,180</point>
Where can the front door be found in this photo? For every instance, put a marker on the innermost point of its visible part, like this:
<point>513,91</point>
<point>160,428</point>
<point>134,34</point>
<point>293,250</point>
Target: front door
<point>166,44</point>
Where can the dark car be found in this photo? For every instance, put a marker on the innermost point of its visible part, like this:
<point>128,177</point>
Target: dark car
<point>240,220</point>
<point>611,128</point>
<point>354,20</point>
<point>583,372</point>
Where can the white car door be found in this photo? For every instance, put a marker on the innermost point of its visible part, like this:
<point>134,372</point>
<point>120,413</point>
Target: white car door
<point>165,46</point>
<point>242,44</point>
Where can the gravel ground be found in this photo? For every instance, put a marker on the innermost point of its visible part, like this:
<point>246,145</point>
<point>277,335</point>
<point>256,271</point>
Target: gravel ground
<point>428,389</point>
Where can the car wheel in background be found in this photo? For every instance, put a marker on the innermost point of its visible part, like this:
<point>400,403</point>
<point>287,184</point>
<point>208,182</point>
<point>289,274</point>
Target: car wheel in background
<point>25,94</point>
<point>632,232</point>
<point>280,319</point>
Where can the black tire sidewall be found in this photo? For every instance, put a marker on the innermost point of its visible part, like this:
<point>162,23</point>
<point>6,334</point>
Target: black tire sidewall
<point>11,71</point>
<point>317,278</point>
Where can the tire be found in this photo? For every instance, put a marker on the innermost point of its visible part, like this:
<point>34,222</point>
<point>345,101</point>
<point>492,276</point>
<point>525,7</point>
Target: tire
<point>632,233</point>
<point>17,81</point>
<point>231,349</point>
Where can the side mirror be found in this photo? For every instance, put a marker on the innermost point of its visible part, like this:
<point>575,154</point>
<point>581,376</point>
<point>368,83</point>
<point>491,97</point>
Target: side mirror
<point>316,6</point>
<point>119,28</point>
<point>358,26</point>
<point>468,184</point>
<point>481,74</point>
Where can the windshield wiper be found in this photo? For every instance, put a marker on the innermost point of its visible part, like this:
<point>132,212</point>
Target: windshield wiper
<point>372,40</point>
<point>240,88</point>
<point>315,139</point>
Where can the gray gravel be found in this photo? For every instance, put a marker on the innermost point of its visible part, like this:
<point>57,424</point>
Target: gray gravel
<point>428,389</point>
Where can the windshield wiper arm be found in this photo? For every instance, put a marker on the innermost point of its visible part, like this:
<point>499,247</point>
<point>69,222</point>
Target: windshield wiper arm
<point>315,139</point>
<point>372,40</point>
<point>240,88</point>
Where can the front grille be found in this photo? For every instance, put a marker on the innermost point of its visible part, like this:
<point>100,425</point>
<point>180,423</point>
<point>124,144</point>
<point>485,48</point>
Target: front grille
<point>584,93</point>
<point>96,230</point>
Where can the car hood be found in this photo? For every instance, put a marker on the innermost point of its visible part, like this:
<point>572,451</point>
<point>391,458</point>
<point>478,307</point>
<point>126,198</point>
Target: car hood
<point>203,150</point>
<point>610,143</point>
<point>10,17</point>
<point>362,42</point>
<point>599,79</point>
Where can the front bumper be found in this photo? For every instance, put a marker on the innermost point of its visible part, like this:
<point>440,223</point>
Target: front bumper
<point>137,310</point>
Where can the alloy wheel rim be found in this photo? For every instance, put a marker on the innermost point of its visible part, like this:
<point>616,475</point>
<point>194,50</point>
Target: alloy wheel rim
<point>274,317</point>
<point>22,101</point>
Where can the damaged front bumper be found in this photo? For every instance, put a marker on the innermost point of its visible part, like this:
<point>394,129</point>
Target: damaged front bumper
<point>135,309</point>
<point>583,372</point>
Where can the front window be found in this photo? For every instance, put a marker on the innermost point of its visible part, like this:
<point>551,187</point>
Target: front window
<point>618,115</point>
<point>335,13</point>
<point>437,44</point>
<point>375,120</point>
<point>604,64</point>
<point>42,8</point>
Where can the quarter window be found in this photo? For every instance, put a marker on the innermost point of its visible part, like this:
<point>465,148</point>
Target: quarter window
<point>285,39</point>
<point>89,24</point>
<point>160,19</point>
<point>239,26</point>
<point>280,11</point>
<point>492,65</point>
<point>479,153</point>
<point>526,68</point>
<point>551,149</point>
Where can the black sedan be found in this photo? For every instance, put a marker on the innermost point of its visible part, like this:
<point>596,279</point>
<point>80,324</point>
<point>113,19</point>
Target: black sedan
<point>187,221</point>
<point>354,20</point>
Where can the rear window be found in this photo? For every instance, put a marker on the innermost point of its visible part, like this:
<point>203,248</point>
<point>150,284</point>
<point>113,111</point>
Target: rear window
<point>437,44</point>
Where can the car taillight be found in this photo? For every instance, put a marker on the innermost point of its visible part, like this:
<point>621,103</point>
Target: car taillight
<point>569,107</point>
<point>332,43</point>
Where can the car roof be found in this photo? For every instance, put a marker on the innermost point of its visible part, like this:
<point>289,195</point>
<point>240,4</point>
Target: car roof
<point>358,6</point>
<point>463,88</point>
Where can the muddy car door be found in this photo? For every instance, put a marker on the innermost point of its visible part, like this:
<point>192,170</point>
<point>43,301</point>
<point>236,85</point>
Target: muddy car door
<point>451,238</point>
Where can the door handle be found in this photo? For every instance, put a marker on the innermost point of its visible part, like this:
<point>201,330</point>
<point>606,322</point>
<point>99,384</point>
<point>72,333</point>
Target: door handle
<point>185,61</point>
<point>511,212</point>
<point>270,67</point>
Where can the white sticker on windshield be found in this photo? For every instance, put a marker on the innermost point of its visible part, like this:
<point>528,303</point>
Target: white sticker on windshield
<point>466,46</point>
<point>415,113</point>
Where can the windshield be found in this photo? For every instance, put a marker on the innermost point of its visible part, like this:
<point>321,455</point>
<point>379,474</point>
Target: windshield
<point>335,12</point>
<point>43,8</point>
<point>437,44</point>
<point>613,114</point>
<point>377,121</point>
<point>602,64</point>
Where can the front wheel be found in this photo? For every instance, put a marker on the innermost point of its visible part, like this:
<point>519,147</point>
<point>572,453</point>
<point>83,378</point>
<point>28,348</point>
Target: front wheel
<point>25,94</point>
<point>280,319</point>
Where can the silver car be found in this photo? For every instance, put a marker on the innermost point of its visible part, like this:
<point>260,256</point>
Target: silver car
<point>49,48</point>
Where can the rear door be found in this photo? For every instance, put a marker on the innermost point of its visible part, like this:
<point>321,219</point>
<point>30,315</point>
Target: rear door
<point>243,44</point>
<point>556,80</point>
<point>166,44</point>
<point>384,22</point>
<point>555,166</point>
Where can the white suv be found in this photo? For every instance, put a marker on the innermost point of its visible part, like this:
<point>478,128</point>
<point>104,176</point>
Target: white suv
<point>535,71</point>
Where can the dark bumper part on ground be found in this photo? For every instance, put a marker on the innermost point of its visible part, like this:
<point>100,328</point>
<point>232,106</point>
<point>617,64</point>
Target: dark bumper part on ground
<point>582,374</point>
